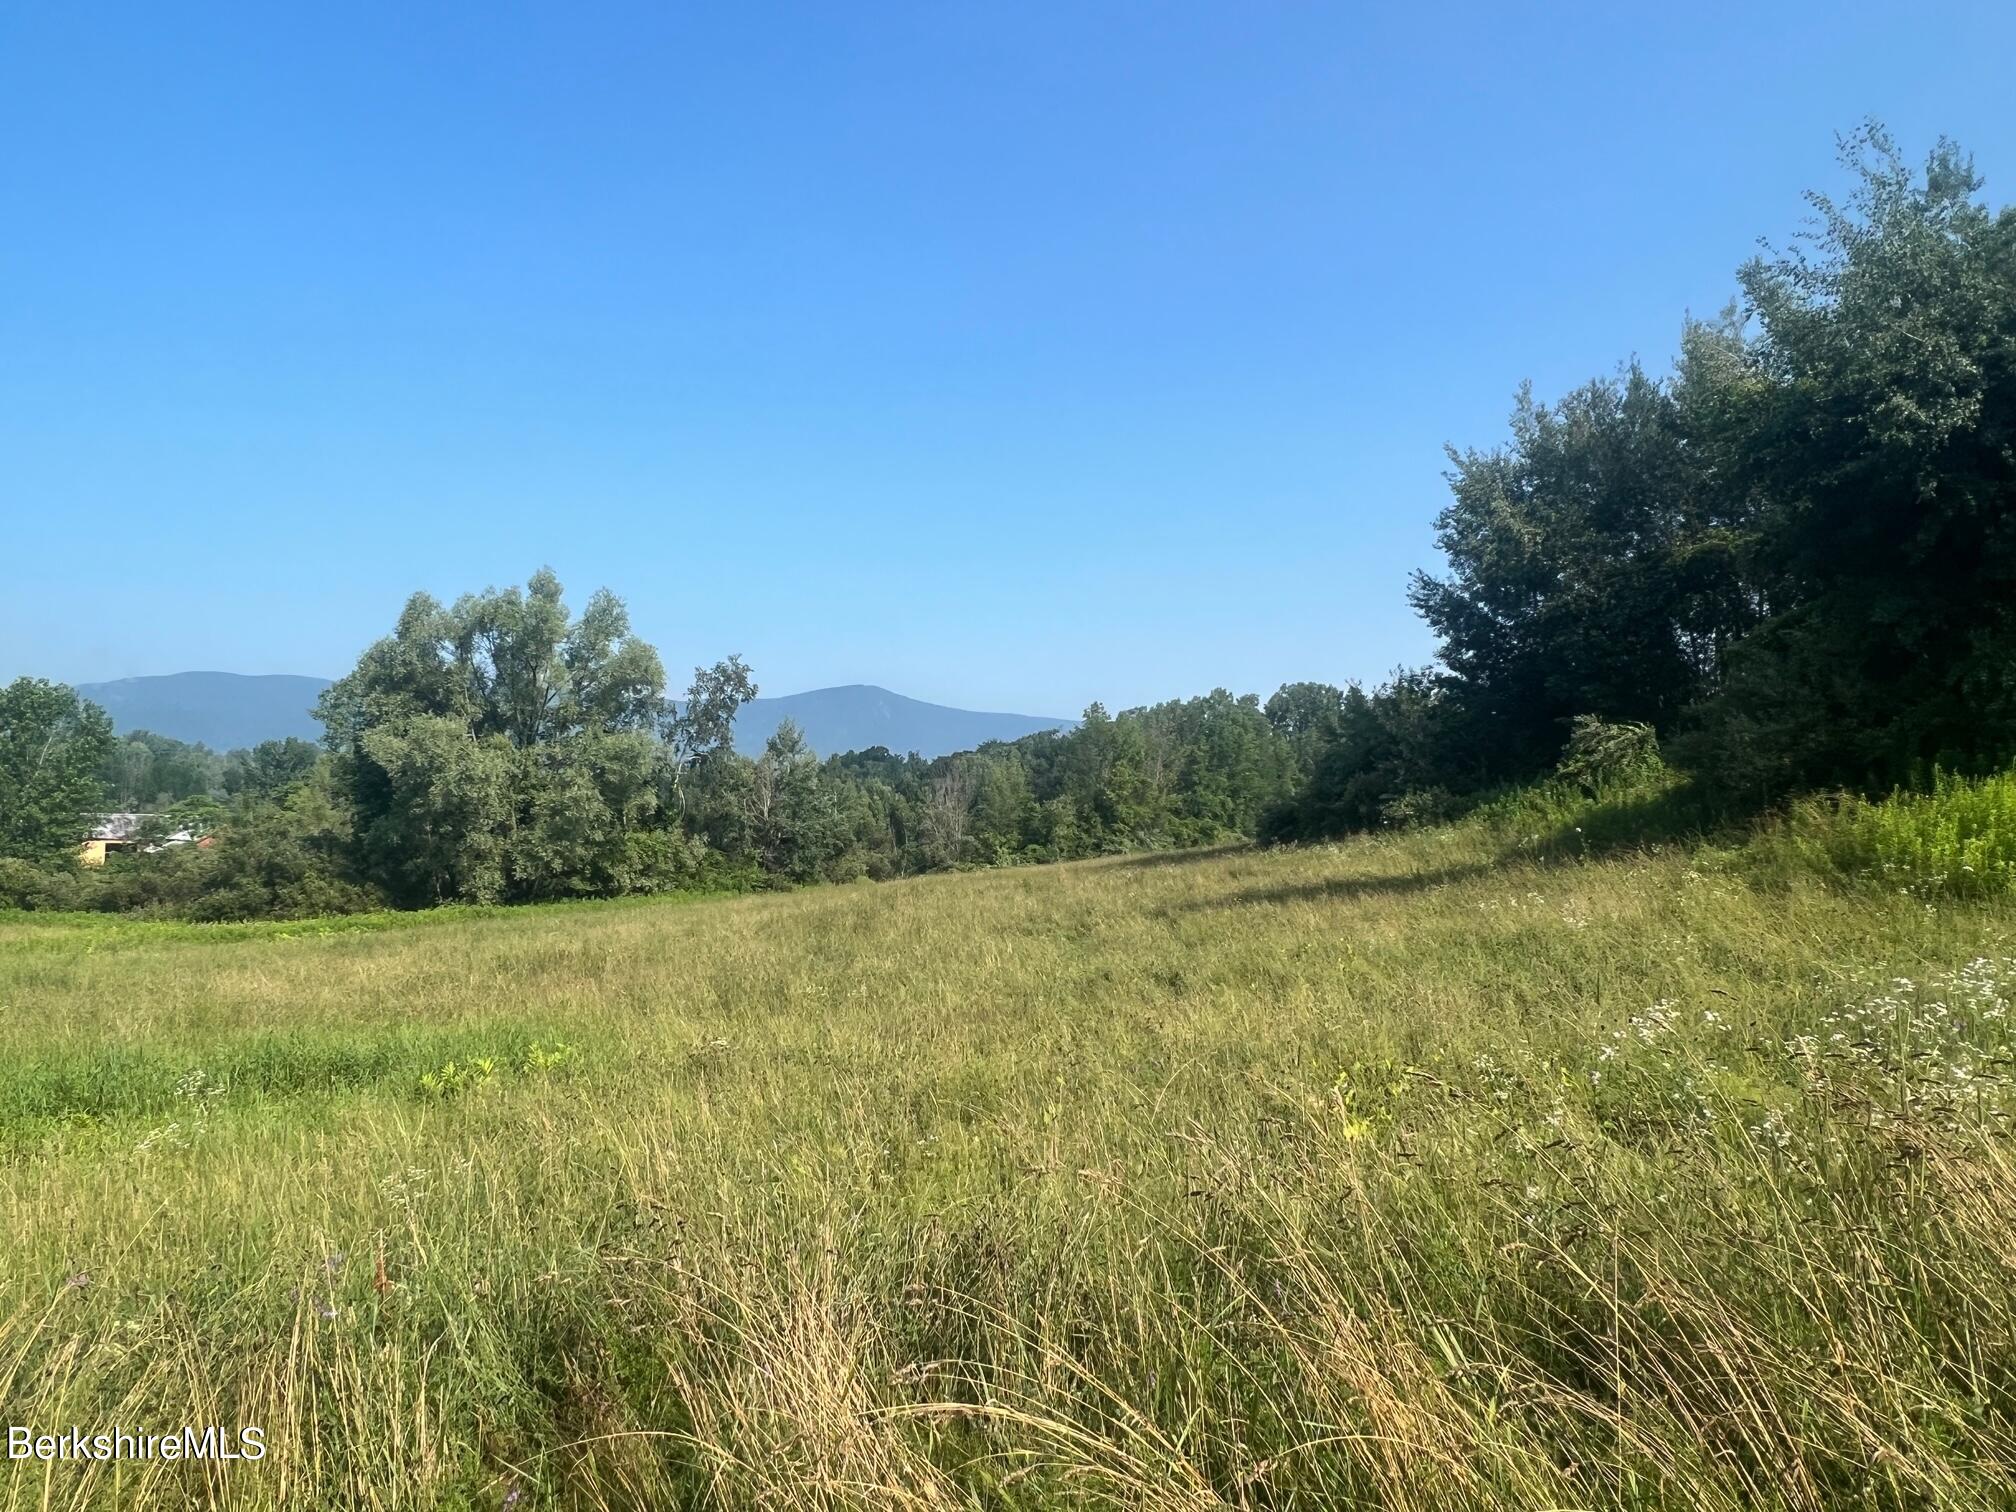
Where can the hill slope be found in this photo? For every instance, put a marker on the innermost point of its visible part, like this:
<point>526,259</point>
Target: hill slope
<point>223,710</point>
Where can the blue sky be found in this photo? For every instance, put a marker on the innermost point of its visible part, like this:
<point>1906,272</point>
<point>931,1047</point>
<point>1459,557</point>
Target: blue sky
<point>1009,355</point>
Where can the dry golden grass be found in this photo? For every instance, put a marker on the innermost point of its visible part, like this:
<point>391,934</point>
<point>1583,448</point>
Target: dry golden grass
<point>1371,1175</point>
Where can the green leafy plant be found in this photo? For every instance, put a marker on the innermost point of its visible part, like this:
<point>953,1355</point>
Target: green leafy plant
<point>542,1059</point>
<point>1601,755</point>
<point>1957,840</point>
<point>455,1079</point>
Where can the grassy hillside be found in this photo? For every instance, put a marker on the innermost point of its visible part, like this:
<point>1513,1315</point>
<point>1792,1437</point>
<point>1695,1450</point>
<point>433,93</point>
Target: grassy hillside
<point>1387,1174</point>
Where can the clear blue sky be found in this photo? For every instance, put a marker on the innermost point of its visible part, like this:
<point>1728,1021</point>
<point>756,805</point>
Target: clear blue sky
<point>1010,355</point>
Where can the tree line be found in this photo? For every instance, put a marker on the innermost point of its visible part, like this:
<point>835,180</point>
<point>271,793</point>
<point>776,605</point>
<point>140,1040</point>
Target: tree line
<point>503,749</point>
<point>1790,561</point>
<point>1793,557</point>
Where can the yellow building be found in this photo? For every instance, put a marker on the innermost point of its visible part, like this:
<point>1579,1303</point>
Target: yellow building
<point>109,833</point>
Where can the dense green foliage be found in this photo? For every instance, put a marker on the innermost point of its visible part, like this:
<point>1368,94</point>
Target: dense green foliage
<point>1794,557</point>
<point>144,771</point>
<point>503,750</point>
<point>1957,840</point>
<point>499,749</point>
<point>1179,773</point>
<point>51,745</point>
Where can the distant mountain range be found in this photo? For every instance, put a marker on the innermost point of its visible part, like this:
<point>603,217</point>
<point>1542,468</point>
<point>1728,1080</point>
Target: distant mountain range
<point>225,710</point>
<point>861,715</point>
<point>222,710</point>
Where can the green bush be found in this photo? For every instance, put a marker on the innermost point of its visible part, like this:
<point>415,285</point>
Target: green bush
<point>1958,840</point>
<point>1601,757</point>
<point>27,885</point>
<point>1611,791</point>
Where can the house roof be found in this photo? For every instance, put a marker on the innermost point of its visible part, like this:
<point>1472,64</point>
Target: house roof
<point>117,826</point>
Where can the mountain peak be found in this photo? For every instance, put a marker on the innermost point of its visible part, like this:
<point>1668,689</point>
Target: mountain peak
<point>227,710</point>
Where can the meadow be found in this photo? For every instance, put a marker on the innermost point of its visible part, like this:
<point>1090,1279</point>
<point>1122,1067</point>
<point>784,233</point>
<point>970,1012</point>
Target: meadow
<point>1406,1172</point>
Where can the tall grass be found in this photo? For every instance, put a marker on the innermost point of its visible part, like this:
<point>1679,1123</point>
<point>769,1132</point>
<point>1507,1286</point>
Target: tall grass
<point>1389,1174</point>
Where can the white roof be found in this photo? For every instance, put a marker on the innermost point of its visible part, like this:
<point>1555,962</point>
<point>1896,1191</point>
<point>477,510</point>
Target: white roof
<point>117,826</point>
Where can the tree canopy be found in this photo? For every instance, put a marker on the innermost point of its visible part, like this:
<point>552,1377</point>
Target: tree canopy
<point>1793,557</point>
<point>52,745</point>
<point>503,748</point>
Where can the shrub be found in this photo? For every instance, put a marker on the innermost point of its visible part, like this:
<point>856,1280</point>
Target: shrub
<point>1958,840</point>
<point>1600,756</point>
<point>1422,806</point>
<point>24,884</point>
<point>1610,788</point>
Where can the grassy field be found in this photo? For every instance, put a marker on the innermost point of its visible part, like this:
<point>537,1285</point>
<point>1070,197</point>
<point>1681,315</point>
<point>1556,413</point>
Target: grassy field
<point>1388,1174</point>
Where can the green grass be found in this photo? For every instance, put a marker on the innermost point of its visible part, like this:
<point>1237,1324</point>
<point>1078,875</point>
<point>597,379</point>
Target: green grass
<point>1392,1174</point>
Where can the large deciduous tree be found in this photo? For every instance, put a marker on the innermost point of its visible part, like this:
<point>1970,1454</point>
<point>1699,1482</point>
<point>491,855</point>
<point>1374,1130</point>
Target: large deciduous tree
<point>52,746</point>
<point>703,728</point>
<point>1876,420</point>
<point>1797,553</point>
<point>500,748</point>
<point>1593,564</point>
<point>795,824</point>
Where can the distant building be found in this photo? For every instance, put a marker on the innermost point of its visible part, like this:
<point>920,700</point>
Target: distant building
<point>121,832</point>
<point>110,832</point>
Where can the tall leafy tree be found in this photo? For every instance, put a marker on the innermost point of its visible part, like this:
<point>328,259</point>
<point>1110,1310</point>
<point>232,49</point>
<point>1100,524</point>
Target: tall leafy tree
<point>703,727</point>
<point>501,748</point>
<point>1396,752</point>
<point>149,771</point>
<point>795,823</point>
<point>1588,569</point>
<point>1876,420</point>
<point>270,768</point>
<point>1304,715</point>
<point>52,747</point>
<point>1103,786</point>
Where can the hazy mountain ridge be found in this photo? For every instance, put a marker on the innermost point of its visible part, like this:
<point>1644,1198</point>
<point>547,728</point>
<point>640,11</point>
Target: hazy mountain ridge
<point>860,715</point>
<point>222,710</point>
<point>227,710</point>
